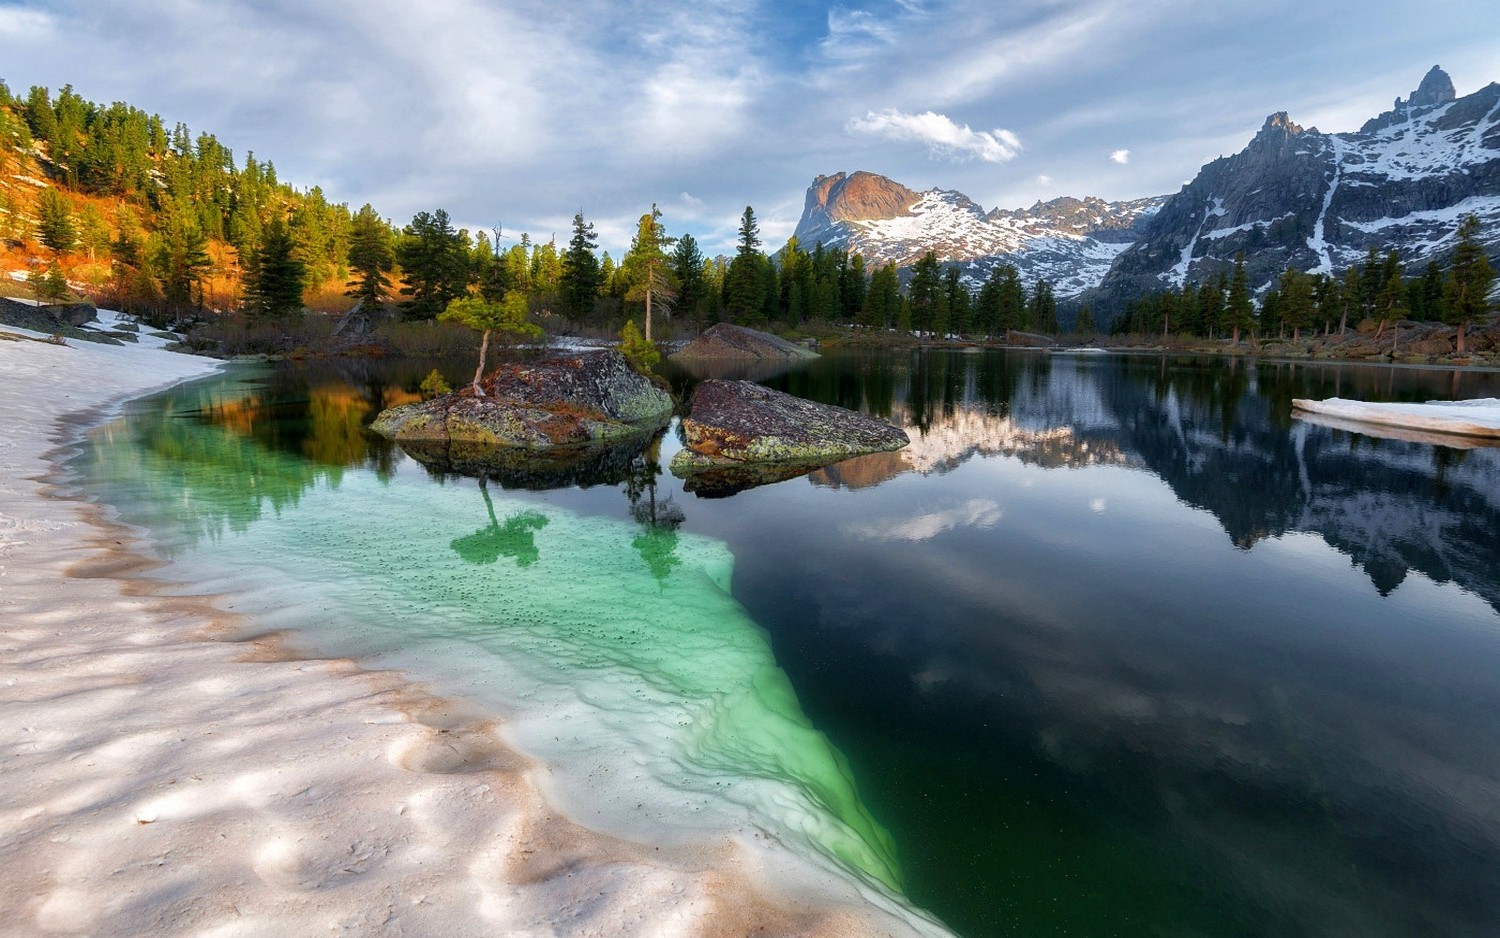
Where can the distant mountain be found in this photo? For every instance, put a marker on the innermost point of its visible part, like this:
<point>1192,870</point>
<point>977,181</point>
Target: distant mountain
<point>1315,201</point>
<point>1070,242</point>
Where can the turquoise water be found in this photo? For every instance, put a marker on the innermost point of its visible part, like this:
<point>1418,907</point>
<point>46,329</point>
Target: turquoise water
<point>613,646</point>
<point>1115,647</point>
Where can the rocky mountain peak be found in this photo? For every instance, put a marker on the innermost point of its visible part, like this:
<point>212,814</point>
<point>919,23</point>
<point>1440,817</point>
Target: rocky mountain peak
<point>850,197</point>
<point>1277,130</point>
<point>1436,88</point>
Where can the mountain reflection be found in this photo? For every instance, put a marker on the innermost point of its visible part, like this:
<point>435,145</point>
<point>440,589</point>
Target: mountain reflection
<point>1221,434</point>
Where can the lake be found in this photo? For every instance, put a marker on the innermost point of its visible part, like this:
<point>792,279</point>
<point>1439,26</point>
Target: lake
<point>1116,646</point>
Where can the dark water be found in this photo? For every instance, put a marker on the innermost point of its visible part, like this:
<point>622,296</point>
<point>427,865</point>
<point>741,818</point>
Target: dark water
<point>1116,647</point>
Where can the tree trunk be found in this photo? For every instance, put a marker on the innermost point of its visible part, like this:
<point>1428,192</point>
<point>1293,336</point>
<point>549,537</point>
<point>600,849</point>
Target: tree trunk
<point>1463,328</point>
<point>1236,339</point>
<point>484,347</point>
<point>648,308</point>
<point>1344,322</point>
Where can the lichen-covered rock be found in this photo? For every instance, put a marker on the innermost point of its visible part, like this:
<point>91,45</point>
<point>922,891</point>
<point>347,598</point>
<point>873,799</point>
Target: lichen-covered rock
<point>740,422</point>
<point>724,340</point>
<point>577,400</point>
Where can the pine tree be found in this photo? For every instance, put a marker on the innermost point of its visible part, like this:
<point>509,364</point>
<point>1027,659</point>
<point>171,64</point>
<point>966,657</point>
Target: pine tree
<point>579,280</point>
<point>959,302</point>
<point>1043,308</point>
<point>1084,323</point>
<point>507,317</point>
<point>923,292</point>
<point>276,277</point>
<point>434,262</point>
<point>54,221</point>
<point>1239,312</point>
<point>647,269</point>
<point>687,267</point>
<point>743,284</point>
<point>1466,293</point>
<point>371,256</point>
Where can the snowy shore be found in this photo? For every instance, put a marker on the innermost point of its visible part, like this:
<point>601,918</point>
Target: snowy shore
<point>159,781</point>
<point>1453,420</point>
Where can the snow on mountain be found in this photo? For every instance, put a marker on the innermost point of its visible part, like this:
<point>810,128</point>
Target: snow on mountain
<point>1302,198</point>
<point>1069,242</point>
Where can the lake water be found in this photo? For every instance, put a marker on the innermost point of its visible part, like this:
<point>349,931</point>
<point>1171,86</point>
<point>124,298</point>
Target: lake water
<point>1116,646</point>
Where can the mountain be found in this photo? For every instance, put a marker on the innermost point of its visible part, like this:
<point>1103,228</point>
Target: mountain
<point>1070,242</point>
<point>1316,201</point>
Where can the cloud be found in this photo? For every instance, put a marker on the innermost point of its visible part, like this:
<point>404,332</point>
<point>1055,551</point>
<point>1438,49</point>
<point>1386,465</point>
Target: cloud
<point>942,135</point>
<point>1120,156</point>
<point>21,23</point>
<point>1043,179</point>
<point>977,512</point>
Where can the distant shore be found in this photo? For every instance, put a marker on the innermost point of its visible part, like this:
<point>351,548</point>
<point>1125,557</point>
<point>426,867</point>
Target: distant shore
<point>159,780</point>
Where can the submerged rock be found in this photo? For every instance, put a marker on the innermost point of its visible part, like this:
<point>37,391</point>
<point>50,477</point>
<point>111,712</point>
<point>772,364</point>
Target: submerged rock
<point>573,401</point>
<point>517,468</point>
<point>737,422</point>
<point>736,342</point>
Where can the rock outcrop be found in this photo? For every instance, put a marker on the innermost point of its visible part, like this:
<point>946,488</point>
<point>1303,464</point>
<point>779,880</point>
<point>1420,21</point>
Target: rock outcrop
<point>737,422</point>
<point>728,342</point>
<point>576,401</point>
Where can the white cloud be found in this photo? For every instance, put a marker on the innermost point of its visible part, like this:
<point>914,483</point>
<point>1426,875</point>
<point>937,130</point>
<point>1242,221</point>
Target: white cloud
<point>22,23</point>
<point>1120,156</point>
<point>942,135</point>
<point>1044,180</point>
<point>978,513</point>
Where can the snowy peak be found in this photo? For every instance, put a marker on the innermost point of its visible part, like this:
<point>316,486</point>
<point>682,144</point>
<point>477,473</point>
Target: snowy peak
<point>1301,198</point>
<point>1070,242</point>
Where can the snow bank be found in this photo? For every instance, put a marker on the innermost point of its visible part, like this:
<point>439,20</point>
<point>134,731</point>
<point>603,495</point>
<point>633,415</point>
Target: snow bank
<point>159,781</point>
<point>1473,418</point>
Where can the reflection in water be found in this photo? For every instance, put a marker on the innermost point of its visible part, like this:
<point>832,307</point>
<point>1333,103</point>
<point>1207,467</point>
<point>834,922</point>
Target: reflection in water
<point>515,538</point>
<point>1115,647</point>
<point>1222,436</point>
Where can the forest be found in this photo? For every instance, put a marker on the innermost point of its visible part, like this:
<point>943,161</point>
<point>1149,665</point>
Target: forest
<point>110,203</point>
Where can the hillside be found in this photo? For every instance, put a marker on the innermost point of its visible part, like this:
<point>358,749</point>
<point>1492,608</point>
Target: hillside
<point>146,217</point>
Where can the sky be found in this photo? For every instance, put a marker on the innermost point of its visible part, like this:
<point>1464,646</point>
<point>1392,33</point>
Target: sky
<point>518,113</point>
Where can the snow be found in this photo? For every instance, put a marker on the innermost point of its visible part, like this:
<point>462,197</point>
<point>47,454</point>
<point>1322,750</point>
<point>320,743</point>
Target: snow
<point>1318,241</point>
<point>951,225</point>
<point>1177,276</point>
<point>159,781</point>
<point>1472,418</point>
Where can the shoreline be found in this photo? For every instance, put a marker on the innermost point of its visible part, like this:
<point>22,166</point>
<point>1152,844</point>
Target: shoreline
<point>158,778</point>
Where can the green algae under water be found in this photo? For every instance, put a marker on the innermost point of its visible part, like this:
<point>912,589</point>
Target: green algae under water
<point>614,651</point>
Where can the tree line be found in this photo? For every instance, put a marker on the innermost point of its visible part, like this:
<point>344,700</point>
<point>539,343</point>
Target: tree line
<point>1378,290</point>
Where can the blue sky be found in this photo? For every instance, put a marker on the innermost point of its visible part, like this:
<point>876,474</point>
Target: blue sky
<point>521,113</point>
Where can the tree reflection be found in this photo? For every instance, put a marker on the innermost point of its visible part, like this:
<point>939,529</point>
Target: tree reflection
<point>659,518</point>
<point>515,538</point>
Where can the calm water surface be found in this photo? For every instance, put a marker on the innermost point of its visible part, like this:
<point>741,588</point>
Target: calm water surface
<point>1116,646</point>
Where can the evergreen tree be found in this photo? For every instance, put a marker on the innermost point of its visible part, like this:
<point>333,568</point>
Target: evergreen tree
<point>1084,323</point>
<point>959,300</point>
<point>580,278</point>
<point>923,292</point>
<point>987,314</point>
<point>276,277</point>
<point>1012,299</point>
<point>507,317</point>
<point>647,270</point>
<point>1239,312</point>
<point>883,299</point>
<point>1043,308</point>
<point>1296,301</point>
<point>372,255</point>
<point>1466,294</point>
<point>434,262</point>
<point>54,221</point>
<point>692,291</point>
<point>743,283</point>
